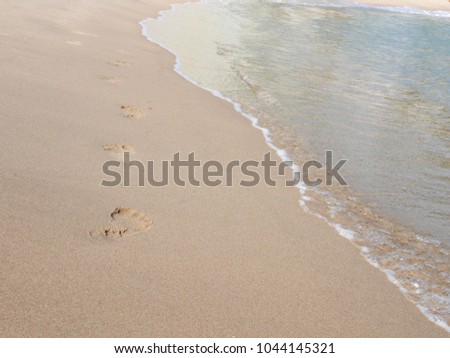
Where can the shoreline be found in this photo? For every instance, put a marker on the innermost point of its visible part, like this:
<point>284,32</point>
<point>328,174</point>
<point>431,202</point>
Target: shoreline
<point>254,265</point>
<point>348,232</point>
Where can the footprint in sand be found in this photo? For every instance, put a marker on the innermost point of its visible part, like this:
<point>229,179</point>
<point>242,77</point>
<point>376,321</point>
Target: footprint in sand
<point>124,222</point>
<point>110,79</point>
<point>74,43</point>
<point>83,34</point>
<point>132,112</point>
<point>118,148</point>
<point>120,63</point>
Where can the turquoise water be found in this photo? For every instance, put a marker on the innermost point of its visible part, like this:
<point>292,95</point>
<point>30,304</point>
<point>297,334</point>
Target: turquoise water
<point>371,85</point>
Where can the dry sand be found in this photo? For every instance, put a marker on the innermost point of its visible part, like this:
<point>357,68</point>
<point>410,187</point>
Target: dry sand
<point>78,84</point>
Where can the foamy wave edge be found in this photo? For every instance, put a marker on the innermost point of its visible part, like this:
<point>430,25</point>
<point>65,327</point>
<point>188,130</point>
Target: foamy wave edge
<point>283,155</point>
<point>405,10</point>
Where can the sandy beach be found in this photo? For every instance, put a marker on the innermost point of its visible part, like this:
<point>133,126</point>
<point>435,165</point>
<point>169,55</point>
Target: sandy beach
<point>80,84</point>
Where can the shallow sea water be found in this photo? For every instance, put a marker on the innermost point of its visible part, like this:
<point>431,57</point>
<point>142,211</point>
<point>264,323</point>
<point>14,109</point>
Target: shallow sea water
<point>371,85</point>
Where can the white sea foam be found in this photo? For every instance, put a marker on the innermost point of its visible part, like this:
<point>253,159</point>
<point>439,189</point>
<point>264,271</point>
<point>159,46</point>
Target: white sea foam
<point>406,10</point>
<point>348,234</point>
